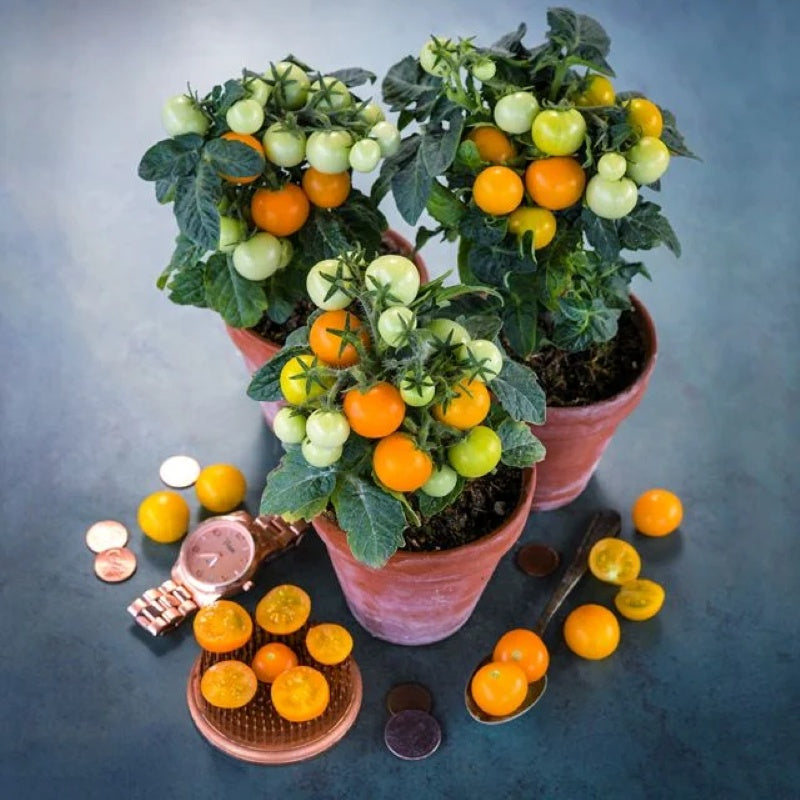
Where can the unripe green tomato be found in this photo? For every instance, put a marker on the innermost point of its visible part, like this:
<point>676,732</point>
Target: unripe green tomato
<point>327,428</point>
<point>231,232</point>
<point>441,482</point>
<point>258,90</point>
<point>559,132</point>
<point>319,284</point>
<point>417,393</point>
<point>394,324</point>
<point>181,114</point>
<point>245,116</point>
<point>258,257</point>
<point>477,454</point>
<point>287,252</point>
<point>448,331</point>
<point>387,136</point>
<point>515,112</point>
<point>611,166</point>
<point>289,426</point>
<point>484,70</point>
<point>371,113</point>
<point>290,84</point>
<point>430,61</point>
<point>329,151</point>
<point>284,147</point>
<point>485,353</point>
<point>320,456</point>
<point>647,160</point>
<point>329,94</point>
<point>365,155</point>
<point>399,273</point>
<point>611,199</point>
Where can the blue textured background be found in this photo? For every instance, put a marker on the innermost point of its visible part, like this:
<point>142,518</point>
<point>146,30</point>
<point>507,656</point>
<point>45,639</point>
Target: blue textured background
<point>102,378</point>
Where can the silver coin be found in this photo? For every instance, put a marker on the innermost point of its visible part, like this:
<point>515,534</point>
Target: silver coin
<point>412,734</point>
<point>179,472</point>
<point>106,534</point>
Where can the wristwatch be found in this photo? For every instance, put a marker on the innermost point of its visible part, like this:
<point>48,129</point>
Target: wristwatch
<point>217,559</point>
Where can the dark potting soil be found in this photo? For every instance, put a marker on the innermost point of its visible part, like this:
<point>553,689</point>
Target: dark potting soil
<point>593,375</point>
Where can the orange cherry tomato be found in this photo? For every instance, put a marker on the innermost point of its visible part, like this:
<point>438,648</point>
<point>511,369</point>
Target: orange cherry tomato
<point>657,512</point>
<point>468,408</point>
<point>645,116</point>
<point>329,643</point>
<point>539,221</point>
<point>229,684</point>
<point>250,141</point>
<point>525,648</point>
<point>280,212</point>
<point>497,190</point>
<point>328,345</point>
<point>326,190</point>
<point>639,599</point>
<point>222,626</point>
<point>376,412</point>
<point>220,487</point>
<point>493,145</point>
<point>283,609</point>
<point>555,183</point>
<point>400,465</point>
<point>498,688</point>
<point>164,516</point>
<point>614,561</point>
<point>272,659</point>
<point>591,631</point>
<point>300,694</point>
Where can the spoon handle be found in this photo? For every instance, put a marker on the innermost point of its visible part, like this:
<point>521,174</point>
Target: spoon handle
<point>604,524</point>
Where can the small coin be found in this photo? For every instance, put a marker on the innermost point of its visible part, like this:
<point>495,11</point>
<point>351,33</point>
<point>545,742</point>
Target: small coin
<point>405,696</point>
<point>105,534</point>
<point>179,472</point>
<point>115,565</point>
<point>538,560</point>
<point>412,734</point>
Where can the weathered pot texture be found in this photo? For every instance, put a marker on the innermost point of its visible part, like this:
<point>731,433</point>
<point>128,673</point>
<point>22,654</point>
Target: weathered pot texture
<point>420,598</point>
<point>575,437</point>
<point>256,350</point>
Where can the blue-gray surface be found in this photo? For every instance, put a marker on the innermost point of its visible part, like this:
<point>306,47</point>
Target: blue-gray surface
<point>102,378</point>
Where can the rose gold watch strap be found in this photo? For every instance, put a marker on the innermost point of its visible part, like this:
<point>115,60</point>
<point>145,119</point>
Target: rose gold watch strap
<point>161,609</point>
<point>277,534</point>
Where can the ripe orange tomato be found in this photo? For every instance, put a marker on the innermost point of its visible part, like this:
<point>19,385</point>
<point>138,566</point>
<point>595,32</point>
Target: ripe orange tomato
<point>280,212</point>
<point>324,189</point>
<point>220,488</point>
<point>525,648</point>
<point>498,688</point>
<point>497,190</point>
<point>272,659</point>
<point>300,694</point>
<point>229,684</point>
<point>539,221</point>
<point>400,465</point>
<point>614,561</point>
<point>164,516</point>
<point>657,512</point>
<point>591,631</point>
<point>376,412</point>
<point>283,609</point>
<point>555,183</point>
<point>645,116</point>
<point>493,145</point>
<point>328,345</point>
<point>329,643</point>
<point>640,599</point>
<point>222,626</point>
<point>468,408</point>
<point>250,141</point>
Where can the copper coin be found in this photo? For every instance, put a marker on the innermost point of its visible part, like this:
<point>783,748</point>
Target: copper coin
<point>412,734</point>
<point>538,560</point>
<point>115,565</point>
<point>179,472</point>
<point>105,534</point>
<point>405,696</point>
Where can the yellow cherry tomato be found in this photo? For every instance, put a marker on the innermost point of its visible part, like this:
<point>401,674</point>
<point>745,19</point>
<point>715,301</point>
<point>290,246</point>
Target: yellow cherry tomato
<point>329,643</point>
<point>591,631</point>
<point>599,91</point>
<point>640,599</point>
<point>283,609</point>
<point>229,684</point>
<point>164,516</point>
<point>220,488</point>
<point>645,116</point>
<point>657,512</point>
<point>614,561</point>
<point>297,385</point>
<point>540,221</point>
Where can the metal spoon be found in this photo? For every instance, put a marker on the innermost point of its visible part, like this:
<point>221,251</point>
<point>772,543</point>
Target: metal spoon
<point>604,523</point>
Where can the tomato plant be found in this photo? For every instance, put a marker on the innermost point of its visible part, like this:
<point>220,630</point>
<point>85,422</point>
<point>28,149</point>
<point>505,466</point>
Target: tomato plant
<point>525,648</point>
<point>284,145</point>
<point>398,276</point>
<point>328,284</point>
<point>596,91</point>
<point>222,626</point>
<point>591,631</point>
<point>245,116</point>
<point>657,512</point>
<point>515,112</point>
<point>395,323</point>
<point>289,426</point>
<point>467,407</point>
<point>258,257</point>
<point>327,428</point>
<point>253,144</point>
<point>300,380</point>
<point>647,160</point>
<point>220,487</point>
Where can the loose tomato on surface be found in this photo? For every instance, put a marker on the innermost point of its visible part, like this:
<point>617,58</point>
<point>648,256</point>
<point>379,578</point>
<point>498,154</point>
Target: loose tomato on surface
<point>525,648</point>
<point>280,212</point>
<point>376,412</point>
<point>640,599</point>
<point>164,516</point>
<point>329,643</point>
<point>272,659</point>
<point>591,631</point>
<point>283,609</point>
<point>599,91</point>
<point>399,464</point>
<point>498,688</point>
<point>326,190</point>
<point>222,626</point>
<point>558,132</point>
<point>300,694</point>
<point>645,116</point>
<point>555,183</point>
<point>541,222</point>
<point>250,141</point>
<point>327,342</point>
<point>297,385</point>
<point>614,561</point>
<point>657,512</point>
<point>229,684</point>
<point>181,114</point>
<point>468,408</point>
<point>398,274</point>
<point>477,454</point>
<point>497,190</point>
<point>493,145</point>
<point>220,487</point>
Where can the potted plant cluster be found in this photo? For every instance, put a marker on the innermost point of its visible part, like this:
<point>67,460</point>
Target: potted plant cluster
<point>539,169</point>
<point>408,441</point>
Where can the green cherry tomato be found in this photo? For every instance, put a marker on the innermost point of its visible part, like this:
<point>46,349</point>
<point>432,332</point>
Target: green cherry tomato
<point>387,136</point>
<point>290,84</point>
<point>245,116</point>
<point>394,324</point>
<point>320,288</point>
<point>484,354</point>
<point>647,160</point>
<point>484,70</point>
<point>441,482</point>
<point>365,155</point>
<point>329,151</point>
<point>296,387</point>
<point>258,90</point>
<point>515,112</point>
<point>287,252</point>
<point>611,199</point>
<point>611,166</point>
<point>289,426</point>
<point>329,94</point>
<point>283,146</point>
<point>320,456</point>
<point>432,56</point>
<point>598,92</point>
<point>327,428</point>
<point>231,232</point>
<point>559,133</point>
<point>477,454</point>
<point>417,392</point>
<point>258,257</point>
<point>371,113</point>
<point>449,332</point>
<point>181,114</point>
<point>398,273</point>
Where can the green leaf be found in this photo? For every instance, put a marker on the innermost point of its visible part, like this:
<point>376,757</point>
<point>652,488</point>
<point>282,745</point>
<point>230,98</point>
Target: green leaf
<point>582,322</point>
<point>353,76</point>
<point>601,234</point>
<point>233,92</point>
<point>265,385</point>
<point>520,447</point>
<point>406,83</point>
<point>519,393</point>
<point>165,190</point>
<point>645,228</point>
<point>240,302</point>
<point>510,45</point>
<point>196,206</point>
<point>430,506</point>
<point>295,487</point>
<point>423,236</point>
<point>362,223</point>
<point>230,157</point>
<point>187,286</point>
<point>439,148</point>
<point>298,338</point>
<point>170,158</point>
<point>444,206</point>
<point>672,137</point>
<point>520,324</point>
<point>493,264</point>
<point>411,187</point>
<point>479,228</point>
<point>468,155</point>
<point>373,520</point>
<point>583,39</point>
<point>483,326</point>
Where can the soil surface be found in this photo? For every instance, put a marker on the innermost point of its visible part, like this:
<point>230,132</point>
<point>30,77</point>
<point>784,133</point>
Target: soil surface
<point>277,333</point>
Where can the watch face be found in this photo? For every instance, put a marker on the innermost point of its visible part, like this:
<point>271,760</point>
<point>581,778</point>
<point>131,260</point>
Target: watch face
<point>218,552</point>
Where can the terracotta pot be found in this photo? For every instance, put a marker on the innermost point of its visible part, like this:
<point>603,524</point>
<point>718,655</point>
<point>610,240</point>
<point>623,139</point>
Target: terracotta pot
<point>256,350</point>
<point>419,598</point>
<point>576,437</point>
